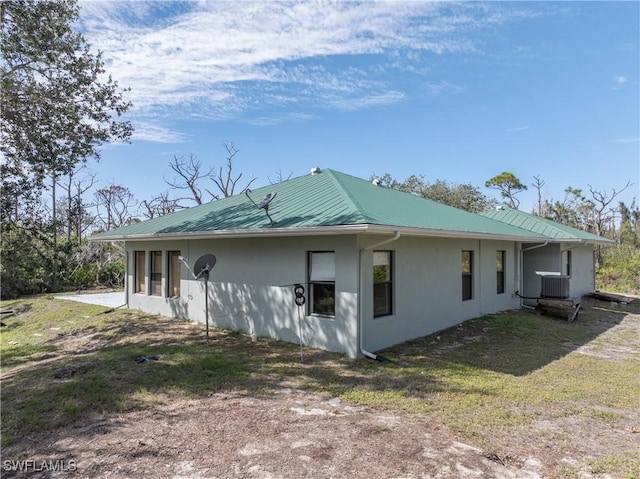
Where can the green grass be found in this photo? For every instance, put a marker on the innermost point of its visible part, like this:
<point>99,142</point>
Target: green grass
<point>488,380</point>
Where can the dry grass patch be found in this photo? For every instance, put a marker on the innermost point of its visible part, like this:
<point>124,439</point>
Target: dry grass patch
<point>516,385</point>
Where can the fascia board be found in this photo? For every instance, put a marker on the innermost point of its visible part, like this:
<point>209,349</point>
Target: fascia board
<point>318,231</point>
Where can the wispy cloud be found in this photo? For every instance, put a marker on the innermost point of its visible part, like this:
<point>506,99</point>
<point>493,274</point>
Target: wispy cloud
<point>519,128</point>
<point>155,133</point>
<point>618,81</point>
<point>627,140</point>
<point>230,59</point>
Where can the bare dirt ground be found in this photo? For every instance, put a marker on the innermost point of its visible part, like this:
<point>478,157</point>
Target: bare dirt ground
<point>285,432</point>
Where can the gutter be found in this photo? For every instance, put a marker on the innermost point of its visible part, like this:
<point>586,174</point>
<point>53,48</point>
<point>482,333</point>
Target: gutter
<point>366,353</point>
<point>318,230</point>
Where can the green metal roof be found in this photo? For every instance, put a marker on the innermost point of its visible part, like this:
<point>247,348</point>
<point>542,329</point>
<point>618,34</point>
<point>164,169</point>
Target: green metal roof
<point>543,226</point>
<point>325,202</point>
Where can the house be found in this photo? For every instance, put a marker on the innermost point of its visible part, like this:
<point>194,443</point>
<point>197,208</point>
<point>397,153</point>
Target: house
<point>371,266</point>
<point>566,258</point>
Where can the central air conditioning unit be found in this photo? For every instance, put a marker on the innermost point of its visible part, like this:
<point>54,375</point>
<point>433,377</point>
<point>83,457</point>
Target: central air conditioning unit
<point>555,286</point>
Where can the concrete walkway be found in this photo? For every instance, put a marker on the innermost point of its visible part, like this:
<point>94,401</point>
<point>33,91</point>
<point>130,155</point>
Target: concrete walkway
<point>110,300</point>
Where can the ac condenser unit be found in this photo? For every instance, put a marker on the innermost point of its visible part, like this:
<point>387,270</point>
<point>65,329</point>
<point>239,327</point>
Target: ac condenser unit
<point>555,286</point>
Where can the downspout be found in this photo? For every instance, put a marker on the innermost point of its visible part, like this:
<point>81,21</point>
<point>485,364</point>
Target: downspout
<point>127,288</point>
<point>389,240</point>
<point>479,277</point>
<point>127,264</point>
<point>535,247</point>
<point>366,353</point>
<point>522,305</point>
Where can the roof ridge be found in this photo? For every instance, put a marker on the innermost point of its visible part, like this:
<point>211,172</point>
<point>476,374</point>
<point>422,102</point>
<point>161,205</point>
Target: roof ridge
<point>356,205</point>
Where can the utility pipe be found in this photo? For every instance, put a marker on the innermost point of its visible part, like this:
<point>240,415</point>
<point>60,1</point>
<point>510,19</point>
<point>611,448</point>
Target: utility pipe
<point>366,353</point>
<point>522,265</point>
<point>535,246</point>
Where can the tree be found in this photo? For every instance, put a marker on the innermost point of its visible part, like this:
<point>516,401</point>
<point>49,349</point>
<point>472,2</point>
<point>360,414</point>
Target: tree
<point>629,225</point>
<point>279,178</point>
<point>191,173</point>
<point>574,210</point>
<point>159,206</point>
<point>466,197</point>
<point>57,105</point>
<point>72,209</point>
<point>508,186</point>
<point>538,184</point>
<point>114,204</point>
<point>604,214</point>
<point>225,182</point>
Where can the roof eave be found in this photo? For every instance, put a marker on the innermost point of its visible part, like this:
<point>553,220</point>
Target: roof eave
<point>238,233</point>
<point>317,231</point>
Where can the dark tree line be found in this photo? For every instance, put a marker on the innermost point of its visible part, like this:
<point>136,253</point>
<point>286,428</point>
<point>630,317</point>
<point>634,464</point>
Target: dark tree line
<point>57,107</point>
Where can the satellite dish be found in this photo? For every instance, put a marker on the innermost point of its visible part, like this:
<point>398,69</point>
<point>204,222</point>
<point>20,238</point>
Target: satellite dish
<point>264,204</point>
<point>204,265</point>
<point>267,199</point>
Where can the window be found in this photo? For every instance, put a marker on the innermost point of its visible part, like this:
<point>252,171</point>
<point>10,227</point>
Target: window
<point>322,283</point>
<point>500,256</point>
<point>467,275</point>
<point>382,283</point>
<point>140,286</point>
<point>174,267</point>
<point>568,263</point>
<point>156,273</point>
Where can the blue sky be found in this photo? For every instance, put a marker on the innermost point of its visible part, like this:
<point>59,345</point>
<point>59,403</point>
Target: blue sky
<point>452,91</point>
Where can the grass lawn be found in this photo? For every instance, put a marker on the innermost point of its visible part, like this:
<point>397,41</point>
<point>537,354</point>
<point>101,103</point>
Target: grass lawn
<point>516,384</point>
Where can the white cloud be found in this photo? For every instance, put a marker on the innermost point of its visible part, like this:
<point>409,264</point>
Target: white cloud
<point>627,140</point>
<point>155,133</point>
<point>620,79</point>
<point>222,59</point>
<point>519,128</point>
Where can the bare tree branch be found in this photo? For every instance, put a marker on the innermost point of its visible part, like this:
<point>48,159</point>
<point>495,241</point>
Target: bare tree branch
<point>225,182</point>
<point>279,177</point>
<point>160,205</point>
<point>538,184</point>
<point>191,172</point>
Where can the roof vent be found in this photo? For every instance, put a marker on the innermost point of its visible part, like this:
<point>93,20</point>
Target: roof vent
<point>375,181</point>
<point>499,208</point>
<point>315,170</point>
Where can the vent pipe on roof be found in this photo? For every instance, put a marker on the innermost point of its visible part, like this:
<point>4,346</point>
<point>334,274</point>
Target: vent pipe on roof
<point>315,170</point>
<point>375,181</point>
<point>499,208</point>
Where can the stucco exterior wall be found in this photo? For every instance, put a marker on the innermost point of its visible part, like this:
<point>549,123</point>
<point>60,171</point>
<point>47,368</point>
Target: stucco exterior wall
<point>250,288</point>
<point>545,258</point>
<point>583,278</point>
<point>428,287</point>
<point>553,258</point>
